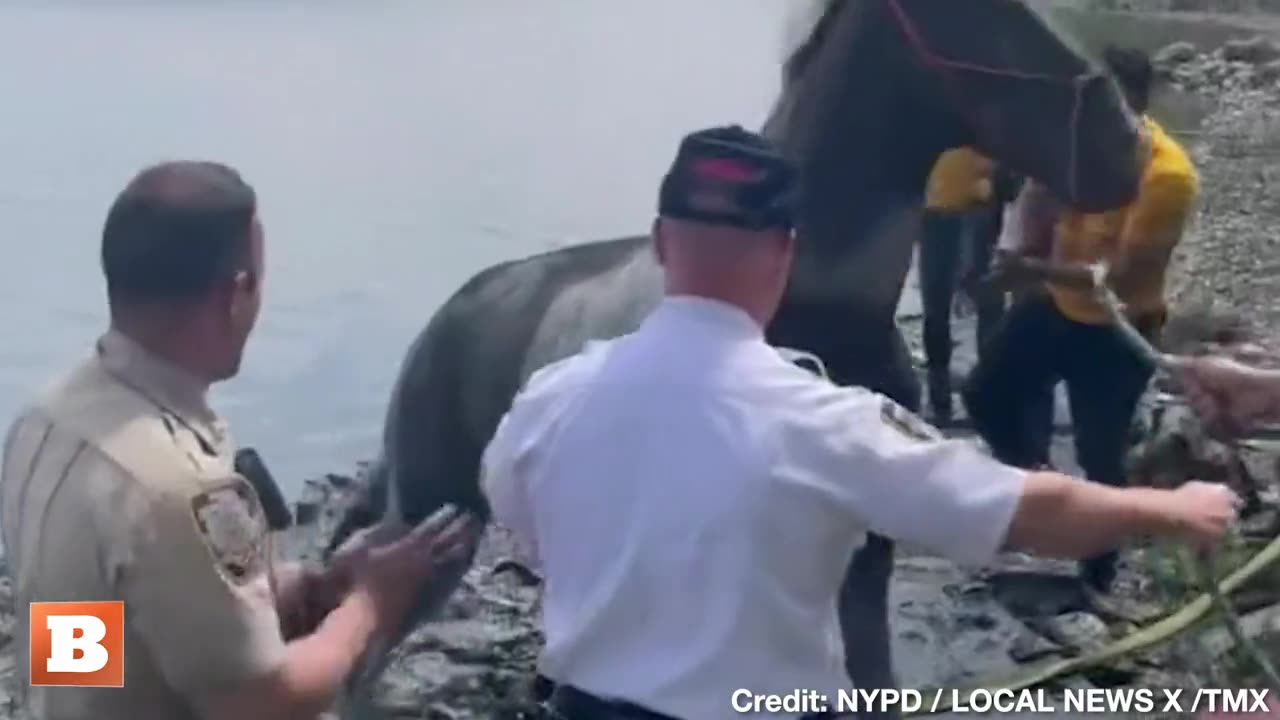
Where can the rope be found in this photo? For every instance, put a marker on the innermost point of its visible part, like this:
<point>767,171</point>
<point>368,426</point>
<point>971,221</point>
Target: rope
<point>1152,635</point>
<point>1231,619</point>
<point>1206,561</point>
<point>1215,591</point>
<point>1079,83</point>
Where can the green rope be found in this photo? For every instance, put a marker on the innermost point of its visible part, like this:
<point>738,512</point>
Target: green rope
<point>1214,597</point>
<point>1150,636</point>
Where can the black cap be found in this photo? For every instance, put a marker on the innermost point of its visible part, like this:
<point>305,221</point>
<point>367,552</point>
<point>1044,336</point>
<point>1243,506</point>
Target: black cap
<point>729,176</point>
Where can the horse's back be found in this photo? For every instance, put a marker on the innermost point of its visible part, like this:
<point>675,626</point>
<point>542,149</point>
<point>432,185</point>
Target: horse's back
<point>464,368</point>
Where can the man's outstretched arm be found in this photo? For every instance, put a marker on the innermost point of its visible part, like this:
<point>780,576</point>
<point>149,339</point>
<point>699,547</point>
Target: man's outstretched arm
<point>908,483</point>
<point>1230,394</point>
<point>1061,516</point>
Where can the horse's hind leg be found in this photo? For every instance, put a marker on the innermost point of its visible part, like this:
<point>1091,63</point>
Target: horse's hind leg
<point>358,699</point>
<point>939,254</point>
<point>358,702</point>
<point>990,301</point>
<point>864,620</point>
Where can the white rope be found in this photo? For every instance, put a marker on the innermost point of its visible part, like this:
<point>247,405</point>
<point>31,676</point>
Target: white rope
<point>1115,309</point>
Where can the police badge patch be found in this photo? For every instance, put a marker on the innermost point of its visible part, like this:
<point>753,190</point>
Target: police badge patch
<point>907,422</point>
<point>233,526</point>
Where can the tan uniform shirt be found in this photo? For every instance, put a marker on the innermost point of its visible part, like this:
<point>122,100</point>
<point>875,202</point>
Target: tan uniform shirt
<point>118,485</point>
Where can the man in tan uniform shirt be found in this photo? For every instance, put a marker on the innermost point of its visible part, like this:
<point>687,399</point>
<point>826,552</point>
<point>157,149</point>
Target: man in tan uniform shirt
<point>118,484</point>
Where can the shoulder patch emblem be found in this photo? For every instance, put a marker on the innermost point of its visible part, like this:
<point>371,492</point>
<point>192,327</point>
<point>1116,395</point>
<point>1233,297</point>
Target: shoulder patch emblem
<point>907,422</point>
<point>231,522</point>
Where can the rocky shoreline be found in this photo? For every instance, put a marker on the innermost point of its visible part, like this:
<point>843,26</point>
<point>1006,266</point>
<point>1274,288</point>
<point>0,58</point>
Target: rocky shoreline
<point>957,626</point>
<point>954,626</point>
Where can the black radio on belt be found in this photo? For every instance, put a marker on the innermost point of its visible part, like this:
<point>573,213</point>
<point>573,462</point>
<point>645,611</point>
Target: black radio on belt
<point>250,466</point>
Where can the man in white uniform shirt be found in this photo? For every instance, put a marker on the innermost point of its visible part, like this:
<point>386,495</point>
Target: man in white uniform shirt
<point>693,499</point>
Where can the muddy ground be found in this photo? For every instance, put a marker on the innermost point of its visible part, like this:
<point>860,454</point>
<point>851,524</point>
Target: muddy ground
<point>953,626</point>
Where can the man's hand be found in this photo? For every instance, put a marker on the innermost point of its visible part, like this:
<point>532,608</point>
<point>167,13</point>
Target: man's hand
<point>1203,512</point>
<point>386,580</point>
<point>309,594</point>
<point>343,563</point>
<point>1228,394</point>
<point>1062,516</point>
<point>390,575</point>
<point>303,598</point>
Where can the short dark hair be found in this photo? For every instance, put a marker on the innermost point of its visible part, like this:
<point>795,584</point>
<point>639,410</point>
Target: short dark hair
<point>176,230</point>
<point>1132,69</point>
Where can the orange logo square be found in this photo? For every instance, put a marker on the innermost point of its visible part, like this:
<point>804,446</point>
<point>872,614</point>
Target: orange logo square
<point>77,644</point>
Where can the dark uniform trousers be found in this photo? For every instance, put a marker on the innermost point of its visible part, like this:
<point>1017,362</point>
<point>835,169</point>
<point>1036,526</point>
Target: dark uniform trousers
<point>1009,394</point>
<point>568,703</point>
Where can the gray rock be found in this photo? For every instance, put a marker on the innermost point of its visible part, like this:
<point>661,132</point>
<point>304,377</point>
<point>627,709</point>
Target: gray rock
<point>1268,73</point>
<point>1264,623</point>
<point>1254,51</point>
<point>1177,53</point>
<point>1078,632</point>
<point>1030,647</point>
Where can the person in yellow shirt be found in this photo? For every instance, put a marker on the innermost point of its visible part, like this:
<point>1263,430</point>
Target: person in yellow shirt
<point>964,197</point>
<point>1065,334</point>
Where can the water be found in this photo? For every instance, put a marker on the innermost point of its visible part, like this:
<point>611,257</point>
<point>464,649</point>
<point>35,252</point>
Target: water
<point>398,147</point>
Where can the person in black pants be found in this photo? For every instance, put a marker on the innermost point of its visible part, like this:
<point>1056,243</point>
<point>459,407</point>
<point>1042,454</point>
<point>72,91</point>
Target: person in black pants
<point>1037,347</point>
<point>1068,335</point>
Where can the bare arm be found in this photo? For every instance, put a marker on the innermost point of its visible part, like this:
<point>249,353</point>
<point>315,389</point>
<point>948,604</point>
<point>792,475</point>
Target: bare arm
<point>303,597</point>
<point>1268,381</point>
<point>1076,275</point>
<point>313,669</point>
<point>1054,508</point>
<point>1152,227</point>
<point>1230,394</point>
<point>1268,387</point>
<point>907,483</point>
<point>1029,222</point>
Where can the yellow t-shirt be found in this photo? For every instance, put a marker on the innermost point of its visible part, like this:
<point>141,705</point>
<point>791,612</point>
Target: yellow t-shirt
<point>1136,241</point>
<point>960,180</point>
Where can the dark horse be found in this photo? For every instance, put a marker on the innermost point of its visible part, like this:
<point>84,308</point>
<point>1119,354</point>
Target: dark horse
<point>878,90</point>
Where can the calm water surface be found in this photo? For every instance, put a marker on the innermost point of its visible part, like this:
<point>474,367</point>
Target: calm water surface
<point>398,147</point>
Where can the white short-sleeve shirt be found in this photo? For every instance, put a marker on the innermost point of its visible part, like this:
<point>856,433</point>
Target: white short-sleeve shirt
<point>693,500</point>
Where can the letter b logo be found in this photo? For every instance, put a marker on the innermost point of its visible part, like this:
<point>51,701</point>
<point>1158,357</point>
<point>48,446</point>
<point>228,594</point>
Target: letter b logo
<point>77,644</point>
